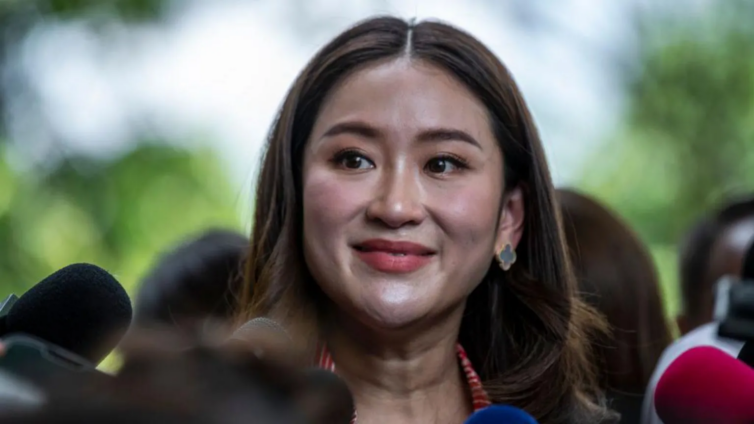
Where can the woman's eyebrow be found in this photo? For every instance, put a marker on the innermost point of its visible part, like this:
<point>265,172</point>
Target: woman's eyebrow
<point>362,129</point>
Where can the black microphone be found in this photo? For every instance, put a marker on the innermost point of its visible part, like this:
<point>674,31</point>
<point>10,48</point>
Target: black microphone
<point>734,302</point>
<point>5,308</point>
<point>747,271</point>
<point>746,355</point>
<point>80,308</point>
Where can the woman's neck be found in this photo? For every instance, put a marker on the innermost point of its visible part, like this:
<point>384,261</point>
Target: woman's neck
<point>403,377</point>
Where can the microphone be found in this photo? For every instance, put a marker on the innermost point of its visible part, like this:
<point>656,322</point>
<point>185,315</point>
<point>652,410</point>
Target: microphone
<point>500,414</point>
<point>705,385</point>
<point>747,271</point>
<point>746,355</point>
<point>5,308</point>
<point>80,308</point>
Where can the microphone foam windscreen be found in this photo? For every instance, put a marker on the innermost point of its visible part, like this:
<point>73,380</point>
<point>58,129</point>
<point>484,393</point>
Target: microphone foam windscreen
<point>704,385</point>
<point>80,308</point>
<point>501,414</point>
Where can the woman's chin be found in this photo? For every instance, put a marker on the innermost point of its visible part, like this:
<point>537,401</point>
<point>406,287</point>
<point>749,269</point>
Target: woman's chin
<point>393,306</point>
<point>394,316</point>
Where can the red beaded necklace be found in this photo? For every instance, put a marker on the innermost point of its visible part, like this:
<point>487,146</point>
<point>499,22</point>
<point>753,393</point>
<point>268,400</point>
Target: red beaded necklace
<point>478,395</point>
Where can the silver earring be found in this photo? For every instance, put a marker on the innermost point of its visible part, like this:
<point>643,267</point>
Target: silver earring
<point>506,257</point>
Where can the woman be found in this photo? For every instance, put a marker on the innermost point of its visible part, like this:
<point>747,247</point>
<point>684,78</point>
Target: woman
<point>616,275</point>
<point>406,233</point>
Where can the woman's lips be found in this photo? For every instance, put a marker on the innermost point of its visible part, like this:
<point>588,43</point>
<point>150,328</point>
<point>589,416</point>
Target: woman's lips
<point>395,257</point>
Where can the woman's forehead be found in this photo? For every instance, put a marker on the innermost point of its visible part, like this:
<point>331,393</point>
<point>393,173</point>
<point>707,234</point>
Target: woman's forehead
<point>405,95</point>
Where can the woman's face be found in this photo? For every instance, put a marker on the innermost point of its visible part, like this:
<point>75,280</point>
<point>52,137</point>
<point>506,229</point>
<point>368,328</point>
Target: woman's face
<point>402,187</point>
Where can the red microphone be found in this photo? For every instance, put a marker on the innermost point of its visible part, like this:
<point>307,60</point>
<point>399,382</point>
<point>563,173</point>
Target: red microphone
<point>706,385</point>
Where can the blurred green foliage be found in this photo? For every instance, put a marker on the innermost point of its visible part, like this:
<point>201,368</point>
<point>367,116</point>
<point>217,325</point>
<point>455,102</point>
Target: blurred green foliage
<point>115,213</point>
<point>118,214</point>
<point>687,140</point>
<point>125,10</point>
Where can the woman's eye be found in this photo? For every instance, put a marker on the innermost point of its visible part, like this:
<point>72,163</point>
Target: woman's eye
<point>444,165</point>
<point>353,160</point>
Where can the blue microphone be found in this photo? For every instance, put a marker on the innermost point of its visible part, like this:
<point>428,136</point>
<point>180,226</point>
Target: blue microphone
<point>499,414</point>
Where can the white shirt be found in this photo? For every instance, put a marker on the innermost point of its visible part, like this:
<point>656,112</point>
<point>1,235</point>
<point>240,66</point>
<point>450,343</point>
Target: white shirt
<point>705,335</point>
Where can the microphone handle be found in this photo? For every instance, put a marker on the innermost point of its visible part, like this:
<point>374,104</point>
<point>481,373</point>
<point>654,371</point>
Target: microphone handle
<point>5,307</point>
<point>746,355</point>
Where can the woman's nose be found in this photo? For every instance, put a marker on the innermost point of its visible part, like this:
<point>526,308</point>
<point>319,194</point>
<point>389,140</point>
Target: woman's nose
<point>399,200</point>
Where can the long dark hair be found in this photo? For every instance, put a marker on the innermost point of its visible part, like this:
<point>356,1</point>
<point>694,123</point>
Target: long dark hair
<point>525,331</point>
<point>617,276</point>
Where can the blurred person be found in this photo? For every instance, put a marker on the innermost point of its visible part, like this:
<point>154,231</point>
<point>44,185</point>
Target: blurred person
<point>406,234</point>
<point>715,247</point>
<point>617,276</point>
<point>205,383</point>
<point>84,412</point>
<point>194,283</point>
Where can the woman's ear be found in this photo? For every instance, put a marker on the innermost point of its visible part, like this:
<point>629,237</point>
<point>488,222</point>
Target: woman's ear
<point>511,224</point>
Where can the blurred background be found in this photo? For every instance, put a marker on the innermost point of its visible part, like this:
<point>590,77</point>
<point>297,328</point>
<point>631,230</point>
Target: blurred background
<point>128,125</point>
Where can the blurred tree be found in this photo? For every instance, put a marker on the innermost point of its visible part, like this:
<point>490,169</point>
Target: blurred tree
<point>118,214</point>
<point>688,137</point>
<point>127,10</point>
